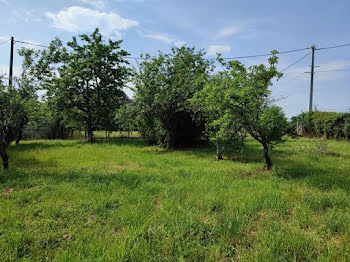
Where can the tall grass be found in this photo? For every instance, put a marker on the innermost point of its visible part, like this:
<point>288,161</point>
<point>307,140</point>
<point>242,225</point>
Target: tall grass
<point>121,200</point>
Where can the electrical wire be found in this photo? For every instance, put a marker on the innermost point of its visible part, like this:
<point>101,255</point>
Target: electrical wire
<point>295,62</point>
<point>266,54</point>
<point>226,58</point>
<point>331,47</point>
<point>335,70</point>
<point>4,41</point>
<point>23,42</point>
<point>294,78</point>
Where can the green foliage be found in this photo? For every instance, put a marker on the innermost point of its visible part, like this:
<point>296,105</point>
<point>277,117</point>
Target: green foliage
<point>125,118</point>
<point>11,111</point>
<point>327,124</point>
<point>346,128</point>
<point>213,102</point>
<point>274,123</point>
<point>163,86</point>
<point>84,80</point>
<point>247,101</point>
<point>293,125</point>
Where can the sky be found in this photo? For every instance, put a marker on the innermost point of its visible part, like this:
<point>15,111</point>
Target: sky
<point>231,27</point>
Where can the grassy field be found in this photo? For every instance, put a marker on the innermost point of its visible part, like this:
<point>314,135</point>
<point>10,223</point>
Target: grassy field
<point>121,200</point>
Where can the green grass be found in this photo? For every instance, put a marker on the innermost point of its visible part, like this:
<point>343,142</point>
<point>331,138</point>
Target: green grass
<point>121,200</point>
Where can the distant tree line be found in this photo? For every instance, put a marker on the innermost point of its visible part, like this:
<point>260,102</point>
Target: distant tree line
<point>180,100</point>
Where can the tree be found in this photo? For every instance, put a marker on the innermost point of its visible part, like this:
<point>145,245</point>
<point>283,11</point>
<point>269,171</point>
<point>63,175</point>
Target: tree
<point>214,101</point>
<point>10,119</point>
<point>27,91</point>
<point>163,86</point>
<point>125,118</point>
<point>84,80</point>
<point>249,97</point>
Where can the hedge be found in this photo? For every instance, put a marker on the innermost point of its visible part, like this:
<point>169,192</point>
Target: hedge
<point>327,124</point>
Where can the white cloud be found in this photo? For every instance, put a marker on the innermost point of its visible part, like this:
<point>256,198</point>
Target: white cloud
<point>80,19</point>
<point>165,38</point>
<point>229,31</point>
<point>100,4</point>
<point>179,43</point>
<point>5,2</point>
<point>333,70</point>
<point>26,16</point>
<point>4,38</point>
<point>335,65</point>
<point>4,70</point>
<point>214,49</point>
<point>160,37</point>
<point>124,1</point>
<point>245,29</point>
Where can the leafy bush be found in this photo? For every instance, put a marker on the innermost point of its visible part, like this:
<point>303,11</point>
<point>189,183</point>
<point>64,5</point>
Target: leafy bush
<point>164,85</point>
<point>326,124</point>
<point>11,110</point>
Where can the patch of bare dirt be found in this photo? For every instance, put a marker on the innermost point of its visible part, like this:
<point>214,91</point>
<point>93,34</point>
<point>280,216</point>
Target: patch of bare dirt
<point>8,190</point>
<point>67,236</point>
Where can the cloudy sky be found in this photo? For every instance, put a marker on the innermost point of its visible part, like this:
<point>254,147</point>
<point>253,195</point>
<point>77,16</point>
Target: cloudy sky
<point>232,27</point>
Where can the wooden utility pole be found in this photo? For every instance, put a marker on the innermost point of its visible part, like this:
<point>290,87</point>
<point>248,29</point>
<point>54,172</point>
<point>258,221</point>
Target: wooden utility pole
<point>312,77</point>
<point>11,61</point>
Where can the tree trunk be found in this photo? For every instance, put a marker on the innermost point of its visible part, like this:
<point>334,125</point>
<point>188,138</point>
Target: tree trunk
<point>268,162</point>
<point>218,150</point>
<point>89,128</point>
<point>106,134</point>
<point>19,137</point>
<point>90,135</point>
<point>5,160</point>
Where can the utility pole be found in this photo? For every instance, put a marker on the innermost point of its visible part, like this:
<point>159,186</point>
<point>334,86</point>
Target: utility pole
<point>11,61</point>
<point>312,77</point>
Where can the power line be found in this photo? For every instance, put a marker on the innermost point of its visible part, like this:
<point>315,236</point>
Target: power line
<point>294,78</point>
<point>266,54</point>
<point>241,57</point>
<point>225,58</point>
<point>335,70</point>
<point>27,43</point>
<point>295,63</point>
<point>23,42</point>
<point>331,47</point>
<point>4,41</point>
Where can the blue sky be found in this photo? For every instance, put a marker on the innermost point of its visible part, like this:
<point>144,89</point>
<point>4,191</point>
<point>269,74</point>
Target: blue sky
<point>235,28</point>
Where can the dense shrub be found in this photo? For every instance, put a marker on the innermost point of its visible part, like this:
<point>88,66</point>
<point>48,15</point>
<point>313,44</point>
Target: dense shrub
<point>327,124</point>
<point>164,84</point>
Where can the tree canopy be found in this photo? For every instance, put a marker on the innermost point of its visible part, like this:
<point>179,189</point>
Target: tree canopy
<point>84,79</point>
<point>250,101</point>
<point>163,86</point>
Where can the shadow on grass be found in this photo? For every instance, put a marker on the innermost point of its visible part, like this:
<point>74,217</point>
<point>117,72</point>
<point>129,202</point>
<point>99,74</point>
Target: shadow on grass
<point>37,145</point>
<point>305,169</point>
<point>301,168</point>
<point>252,152</point>
<point>121,141</point>
<point>127,179</point>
